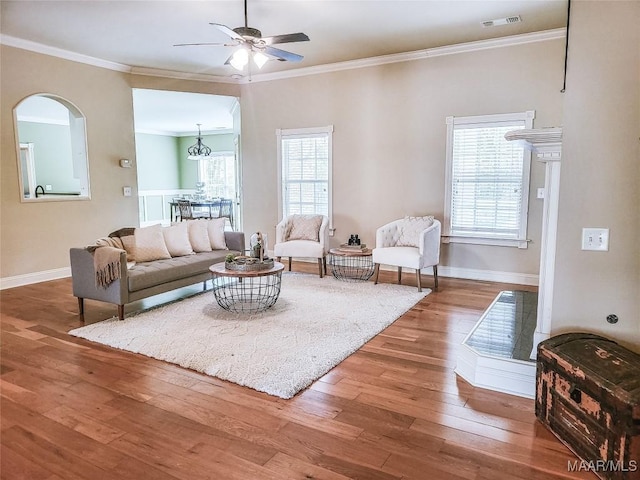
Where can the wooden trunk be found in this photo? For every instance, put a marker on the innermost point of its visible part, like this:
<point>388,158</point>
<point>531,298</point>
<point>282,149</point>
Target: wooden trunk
<point>588,395</point>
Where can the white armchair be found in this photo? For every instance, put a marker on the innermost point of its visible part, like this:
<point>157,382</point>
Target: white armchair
<point>412,242</point>
<point>305,236</point>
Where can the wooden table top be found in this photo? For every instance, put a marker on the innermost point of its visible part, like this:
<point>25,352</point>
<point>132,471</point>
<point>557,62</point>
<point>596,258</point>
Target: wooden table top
<point>220,270</point>
<point>350,253</point>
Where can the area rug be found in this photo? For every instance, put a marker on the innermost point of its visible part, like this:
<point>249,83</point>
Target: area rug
<point>315,324</point>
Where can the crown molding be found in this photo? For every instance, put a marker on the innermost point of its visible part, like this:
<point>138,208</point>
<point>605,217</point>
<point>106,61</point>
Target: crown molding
<point>509,41</point>
<point>168,133</point>
<point>60,53</point>
<point>156,72</point>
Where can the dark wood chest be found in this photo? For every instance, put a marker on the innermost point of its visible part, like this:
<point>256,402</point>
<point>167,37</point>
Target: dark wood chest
<point>588,395</point>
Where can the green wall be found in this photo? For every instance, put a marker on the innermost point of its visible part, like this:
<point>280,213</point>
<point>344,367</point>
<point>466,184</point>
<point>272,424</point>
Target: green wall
<point>157,162</point>
<point>52,155</point>
<point>189,168</point>
<point>162,159</point>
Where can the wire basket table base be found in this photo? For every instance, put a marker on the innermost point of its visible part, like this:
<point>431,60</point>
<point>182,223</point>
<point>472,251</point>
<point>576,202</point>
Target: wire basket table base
<point>246,292</point>
<point>351,266</point>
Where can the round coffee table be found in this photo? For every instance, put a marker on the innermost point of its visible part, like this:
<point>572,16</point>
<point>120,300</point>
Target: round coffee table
<point>351,265</point>
<point>246,291</point>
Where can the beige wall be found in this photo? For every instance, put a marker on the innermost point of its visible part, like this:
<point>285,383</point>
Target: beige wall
<point>389,138</point>
<point>600,179</point>
<point>36,236</point>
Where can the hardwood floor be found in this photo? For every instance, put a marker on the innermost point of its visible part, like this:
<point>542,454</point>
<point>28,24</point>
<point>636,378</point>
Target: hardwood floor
<point>393,410</point>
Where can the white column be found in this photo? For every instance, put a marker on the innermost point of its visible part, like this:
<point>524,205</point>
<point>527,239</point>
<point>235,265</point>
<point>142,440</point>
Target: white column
<point>546,145</point>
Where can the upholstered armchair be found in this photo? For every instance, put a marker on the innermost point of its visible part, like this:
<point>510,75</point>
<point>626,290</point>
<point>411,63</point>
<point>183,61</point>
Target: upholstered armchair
<point>412,242</point>
<point>303,236</point>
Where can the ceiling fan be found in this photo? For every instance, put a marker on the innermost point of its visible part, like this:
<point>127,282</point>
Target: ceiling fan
<point>252,42</point>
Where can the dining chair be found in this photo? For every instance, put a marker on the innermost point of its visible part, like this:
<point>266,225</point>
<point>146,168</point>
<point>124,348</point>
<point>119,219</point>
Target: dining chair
<point>226,210</point>
<point>185,210</point>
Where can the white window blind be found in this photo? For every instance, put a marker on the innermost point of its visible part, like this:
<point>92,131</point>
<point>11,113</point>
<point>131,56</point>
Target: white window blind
<point>488,180</point>
<point>305,159</point>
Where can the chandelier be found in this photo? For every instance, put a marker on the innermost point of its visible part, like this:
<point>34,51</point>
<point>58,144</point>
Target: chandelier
<point>199,150</point>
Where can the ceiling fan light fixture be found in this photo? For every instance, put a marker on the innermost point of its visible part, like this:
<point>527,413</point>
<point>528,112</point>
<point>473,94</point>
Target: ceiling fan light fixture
<point>260,59</point>
<point>239,59</point>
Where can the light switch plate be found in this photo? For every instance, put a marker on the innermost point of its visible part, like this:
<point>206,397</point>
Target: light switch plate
<point>540,193</point>
<point>596,239</point>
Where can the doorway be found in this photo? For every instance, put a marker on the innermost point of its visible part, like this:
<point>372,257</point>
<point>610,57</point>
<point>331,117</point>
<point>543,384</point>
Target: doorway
<point>166,126</point>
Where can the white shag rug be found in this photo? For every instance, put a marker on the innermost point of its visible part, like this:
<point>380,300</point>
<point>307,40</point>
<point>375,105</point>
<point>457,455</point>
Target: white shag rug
<point>315,324</point>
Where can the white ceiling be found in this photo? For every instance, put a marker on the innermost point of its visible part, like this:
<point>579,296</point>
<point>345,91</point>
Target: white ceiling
<point>141,34</point>
<point>177,113</point>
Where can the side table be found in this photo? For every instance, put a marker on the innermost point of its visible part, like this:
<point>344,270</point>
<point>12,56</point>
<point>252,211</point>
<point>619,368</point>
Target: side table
<point>351,265</point>
<point>252,292</point>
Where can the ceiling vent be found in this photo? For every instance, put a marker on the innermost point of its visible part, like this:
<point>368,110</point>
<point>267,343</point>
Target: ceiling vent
<point>502,21</point>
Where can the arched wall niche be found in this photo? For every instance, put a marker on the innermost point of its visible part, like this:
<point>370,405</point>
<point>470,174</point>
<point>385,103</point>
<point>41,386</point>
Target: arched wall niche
<point>51,144</point>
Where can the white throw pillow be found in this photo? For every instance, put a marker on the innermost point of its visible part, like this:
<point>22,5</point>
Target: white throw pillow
<point>215,229</point>
<point>304,227</point>
<point>198,236</point>
<point>150,244</point>
<point>176,237</point>
<point>410,230</point>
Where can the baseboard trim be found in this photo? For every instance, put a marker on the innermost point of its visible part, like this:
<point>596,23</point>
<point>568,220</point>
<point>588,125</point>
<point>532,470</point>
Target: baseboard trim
<point>466,273</point>
<point>473,274</point>
<point>501,375</point>
<point>35,277</point>
<point>489,275</point>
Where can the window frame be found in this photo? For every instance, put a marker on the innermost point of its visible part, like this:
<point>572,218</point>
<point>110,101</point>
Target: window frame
<point>526,118</point>
<point>282,134</point>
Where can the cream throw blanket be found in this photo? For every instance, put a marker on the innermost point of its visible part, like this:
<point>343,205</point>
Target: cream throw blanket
<point>106,260</point>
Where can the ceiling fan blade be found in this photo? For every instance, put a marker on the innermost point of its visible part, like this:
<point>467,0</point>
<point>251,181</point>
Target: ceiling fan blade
<point>227,31</point>
<point>287,38</point>
<point>282,55</point>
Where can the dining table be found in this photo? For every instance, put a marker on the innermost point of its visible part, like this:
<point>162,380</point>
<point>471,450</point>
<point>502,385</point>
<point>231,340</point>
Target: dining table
<point>211,204</point>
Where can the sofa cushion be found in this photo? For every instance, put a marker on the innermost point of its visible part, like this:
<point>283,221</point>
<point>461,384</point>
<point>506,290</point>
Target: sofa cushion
<point>215,229</point>
<point>199,236</point>
<point>128,241</point>
<point>410,230</point>
<point>176,238</point>
<point>150,244</point>
<point>304,227</point>
<point>150,274</point>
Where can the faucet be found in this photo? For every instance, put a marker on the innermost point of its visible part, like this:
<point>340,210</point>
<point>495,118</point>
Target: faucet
<point>40,188</point>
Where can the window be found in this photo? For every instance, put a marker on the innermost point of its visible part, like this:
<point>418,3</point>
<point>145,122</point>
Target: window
<point>304,157</point>
<point>487,191</point>
<point>218,172</point>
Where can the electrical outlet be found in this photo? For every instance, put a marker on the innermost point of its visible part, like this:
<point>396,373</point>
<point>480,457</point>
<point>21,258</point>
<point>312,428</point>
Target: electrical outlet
<point>126,191</point>
<point>48,188</point>
<point>596,239</point>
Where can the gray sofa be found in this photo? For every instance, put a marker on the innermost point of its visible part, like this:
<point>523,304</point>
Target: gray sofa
<point>146,279</point>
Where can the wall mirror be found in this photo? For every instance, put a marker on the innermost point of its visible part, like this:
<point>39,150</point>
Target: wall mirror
<point>52,149</point>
